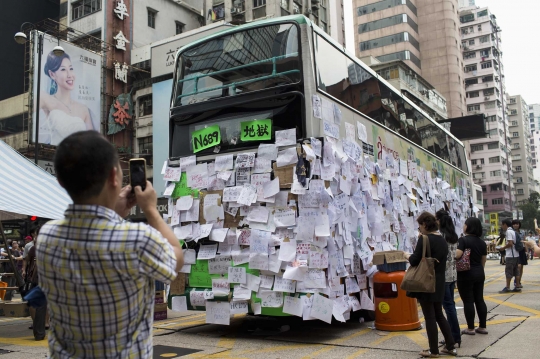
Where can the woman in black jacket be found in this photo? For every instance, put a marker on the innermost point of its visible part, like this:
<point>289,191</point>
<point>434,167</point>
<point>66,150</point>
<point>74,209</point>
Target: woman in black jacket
<point>471,282</point>
<point>431,303</point>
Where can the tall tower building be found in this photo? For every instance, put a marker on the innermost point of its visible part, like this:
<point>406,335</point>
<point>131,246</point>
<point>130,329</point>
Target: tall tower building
<point>518,118</point>
<point>534,121</point>
<point>423,33</point>
<point>492,165</point>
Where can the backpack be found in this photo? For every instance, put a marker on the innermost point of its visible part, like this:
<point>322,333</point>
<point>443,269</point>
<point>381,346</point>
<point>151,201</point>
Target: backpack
<point>519,242</point>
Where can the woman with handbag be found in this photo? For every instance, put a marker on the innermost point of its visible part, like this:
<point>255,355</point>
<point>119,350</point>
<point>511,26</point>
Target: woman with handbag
<point>472,255</point>
<point>431,302</point>
<point>448,231</point>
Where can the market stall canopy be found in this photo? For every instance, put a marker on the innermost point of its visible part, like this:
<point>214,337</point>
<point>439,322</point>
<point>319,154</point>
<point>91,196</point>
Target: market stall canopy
<point>27,189</point>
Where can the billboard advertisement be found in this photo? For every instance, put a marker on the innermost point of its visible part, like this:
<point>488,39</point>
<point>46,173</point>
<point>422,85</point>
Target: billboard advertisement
<point>70,90</point>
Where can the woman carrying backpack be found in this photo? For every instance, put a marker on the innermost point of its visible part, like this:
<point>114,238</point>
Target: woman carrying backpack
<point>448,231</point>
<point>471,282</point>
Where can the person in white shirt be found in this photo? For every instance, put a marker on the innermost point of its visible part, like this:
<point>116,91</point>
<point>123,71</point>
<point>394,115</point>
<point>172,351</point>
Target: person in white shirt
<point>512,257</point>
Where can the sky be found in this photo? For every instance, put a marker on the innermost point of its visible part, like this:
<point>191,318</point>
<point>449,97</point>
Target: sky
<point>519,22</point>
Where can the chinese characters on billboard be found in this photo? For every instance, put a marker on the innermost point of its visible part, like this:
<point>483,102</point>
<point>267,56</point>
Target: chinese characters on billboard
<point>70,91</point>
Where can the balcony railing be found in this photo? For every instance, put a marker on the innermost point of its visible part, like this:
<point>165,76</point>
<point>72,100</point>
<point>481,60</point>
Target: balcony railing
<point>259,12</point>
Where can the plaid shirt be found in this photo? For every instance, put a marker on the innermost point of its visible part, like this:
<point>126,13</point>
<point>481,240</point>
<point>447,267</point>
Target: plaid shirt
<point>98,274</point>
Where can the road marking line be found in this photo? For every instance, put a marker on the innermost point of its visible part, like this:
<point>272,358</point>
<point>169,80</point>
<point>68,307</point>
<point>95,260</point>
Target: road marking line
<point>330,344</point>
<point>356,354</point>
<point>512,305</point>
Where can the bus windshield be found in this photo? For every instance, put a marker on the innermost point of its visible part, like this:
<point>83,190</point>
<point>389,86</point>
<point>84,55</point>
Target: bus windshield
<point>245,61</point>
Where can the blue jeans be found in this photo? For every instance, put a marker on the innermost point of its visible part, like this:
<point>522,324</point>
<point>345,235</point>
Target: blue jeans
<point>449,306</point>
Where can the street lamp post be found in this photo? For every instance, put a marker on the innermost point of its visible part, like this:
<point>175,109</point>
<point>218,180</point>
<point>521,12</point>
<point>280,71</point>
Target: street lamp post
<point>21,38</point>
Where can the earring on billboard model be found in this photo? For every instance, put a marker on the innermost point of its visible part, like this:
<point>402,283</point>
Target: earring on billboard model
<point>54,87</point>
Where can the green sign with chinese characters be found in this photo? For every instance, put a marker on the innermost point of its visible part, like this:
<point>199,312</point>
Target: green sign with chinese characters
<point>206,138</point>
<point>256,130</point>
<point>181,188</point>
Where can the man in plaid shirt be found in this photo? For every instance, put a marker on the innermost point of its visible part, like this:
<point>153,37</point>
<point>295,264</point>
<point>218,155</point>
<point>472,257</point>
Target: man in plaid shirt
<point>96,270</point>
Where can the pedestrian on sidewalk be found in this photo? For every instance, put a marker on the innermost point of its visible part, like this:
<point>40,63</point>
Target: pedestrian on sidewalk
<point>448,231</point>
<point>512,257</point>
<point>39,315</point>
<point>500,243</point>
<point>431,303</point>
<point>471,282</point>
<point>522,261</point>
<point>530,252</point>
<point>96,270</point>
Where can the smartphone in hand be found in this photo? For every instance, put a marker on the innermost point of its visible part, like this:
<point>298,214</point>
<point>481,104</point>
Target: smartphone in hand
<point>137,173</point>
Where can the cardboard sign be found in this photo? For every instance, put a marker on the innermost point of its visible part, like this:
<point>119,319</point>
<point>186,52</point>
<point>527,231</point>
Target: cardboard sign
<point>257,130</point>
<point>206,138</point>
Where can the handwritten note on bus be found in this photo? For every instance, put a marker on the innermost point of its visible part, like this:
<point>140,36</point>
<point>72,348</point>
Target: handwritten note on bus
<point>205,138</point>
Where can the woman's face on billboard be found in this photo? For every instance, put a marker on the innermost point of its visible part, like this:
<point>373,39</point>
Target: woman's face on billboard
<point>64,76</point>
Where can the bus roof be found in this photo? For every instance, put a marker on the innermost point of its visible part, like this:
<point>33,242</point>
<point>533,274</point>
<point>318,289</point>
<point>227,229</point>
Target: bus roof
<point>299,19</point>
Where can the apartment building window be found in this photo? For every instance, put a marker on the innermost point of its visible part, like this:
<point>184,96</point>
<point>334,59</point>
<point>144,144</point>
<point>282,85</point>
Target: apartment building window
<point>493,146</point>
<point>401,55</point>
<point>467,30</point>
<point>512,100</point>
<point>515,134</point>
<point>470,68</point>
<point>487,78</point>
<point>496,159</point>
<point>479,175</point>
<point>469,55</point>
<point>473,94</point>
<point>514,123</point>
<point>484,189</point>
<point>495,173</point>
<point>384,4</point>
<point>497,201</point>
<point>478,161</point>
<point>482,13</point>
<point>259,8</point>
<point>473,108</point>
<point>484,39</point>
<point>469,82</point>
<point>84,7</point>
<point>479,28</point>
<point>491,118</point>
<point>466,18</point>
<point>489,92</point>
<point>471,42</point>
<point>518,169</point>
<point>519,179</point>
<point>485,202</point>
<point>485,53</point>
<point>520,191</point>
<point>486,65</point>
<point>386,22</point>
<point>179,27</point>
<point>323,21</point>
<point>489,105</point>
<point>492,132</point>
<point>151,17</point>
<point>145,105</point>
<point>389,40</point>
<point>297,7</point>
<point>477,148</point>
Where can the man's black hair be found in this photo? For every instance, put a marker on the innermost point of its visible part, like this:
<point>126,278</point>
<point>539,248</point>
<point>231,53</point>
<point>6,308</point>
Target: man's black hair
<point>83,162</point>
<point>474,226</point>
<point>508,222</point>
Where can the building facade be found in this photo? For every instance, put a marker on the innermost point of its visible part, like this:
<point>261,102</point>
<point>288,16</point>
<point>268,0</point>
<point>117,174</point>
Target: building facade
<point>518,118</point>
<point>534,121</point>
<point>485,94</point>
<point>327,14</point>
<point>424,34</point>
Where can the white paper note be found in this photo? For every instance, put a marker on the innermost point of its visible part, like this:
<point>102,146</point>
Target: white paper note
<point>293,306</point>
<point>287,157</point>
<point>286,137</point>
<point>237,275</point>
<point>220,286</point>
<point>267,151</point>
<point>218,313</point>
<point>179,304</point>
<point>207,252</point>
<point>271,188</point>
<point>322,308</point>
<point>224,163</point>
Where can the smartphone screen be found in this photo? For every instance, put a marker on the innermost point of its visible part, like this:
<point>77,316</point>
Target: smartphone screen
<point>137,173</point>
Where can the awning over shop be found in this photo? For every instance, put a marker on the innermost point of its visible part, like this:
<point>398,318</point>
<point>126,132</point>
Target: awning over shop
<point>27,189</point>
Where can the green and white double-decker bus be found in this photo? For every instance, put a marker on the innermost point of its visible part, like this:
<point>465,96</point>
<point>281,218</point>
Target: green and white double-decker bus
<point>289,74</point>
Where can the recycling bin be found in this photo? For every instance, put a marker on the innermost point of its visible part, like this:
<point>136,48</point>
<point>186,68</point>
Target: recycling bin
<point>394,311</point>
